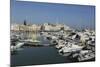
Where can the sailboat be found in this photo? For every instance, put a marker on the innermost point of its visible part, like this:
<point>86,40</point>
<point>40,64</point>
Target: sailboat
<point>31,35</point>
<point>33,40</point>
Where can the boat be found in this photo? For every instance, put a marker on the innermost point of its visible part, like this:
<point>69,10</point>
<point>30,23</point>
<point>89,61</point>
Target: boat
<point>69,49</point>
<point>16,47</point>
<point>32,41</point>
<point>86,55</point>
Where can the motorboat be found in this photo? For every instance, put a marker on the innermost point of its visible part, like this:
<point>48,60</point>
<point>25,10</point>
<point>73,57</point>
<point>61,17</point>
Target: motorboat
<point>69,48</point>
<point>16,47</point>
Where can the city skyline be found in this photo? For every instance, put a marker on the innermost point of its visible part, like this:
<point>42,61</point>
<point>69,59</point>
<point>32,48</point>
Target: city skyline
<point>76,16</point>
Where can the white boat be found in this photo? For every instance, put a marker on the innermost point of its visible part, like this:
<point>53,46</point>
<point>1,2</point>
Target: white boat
<point>31,41</point>
<point>17,46</point>
<point>61,44</point>
<point>70,48</point>
<point>86,55</point>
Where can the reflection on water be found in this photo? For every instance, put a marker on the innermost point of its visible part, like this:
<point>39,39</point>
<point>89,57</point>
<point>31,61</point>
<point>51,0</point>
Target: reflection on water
<point>43,40</point>
<point>37,55</point>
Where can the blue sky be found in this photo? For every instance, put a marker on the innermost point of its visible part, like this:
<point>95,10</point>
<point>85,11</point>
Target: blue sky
<point>76,16</point>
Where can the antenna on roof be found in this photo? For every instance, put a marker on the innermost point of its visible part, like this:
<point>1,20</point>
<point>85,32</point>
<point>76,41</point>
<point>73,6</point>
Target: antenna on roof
<point>57,21</point>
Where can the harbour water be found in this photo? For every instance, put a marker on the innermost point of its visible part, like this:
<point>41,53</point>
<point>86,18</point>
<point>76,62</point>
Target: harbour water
<point>37,56</point>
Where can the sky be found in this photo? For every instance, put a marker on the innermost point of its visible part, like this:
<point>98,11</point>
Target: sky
<point>75,16</point>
